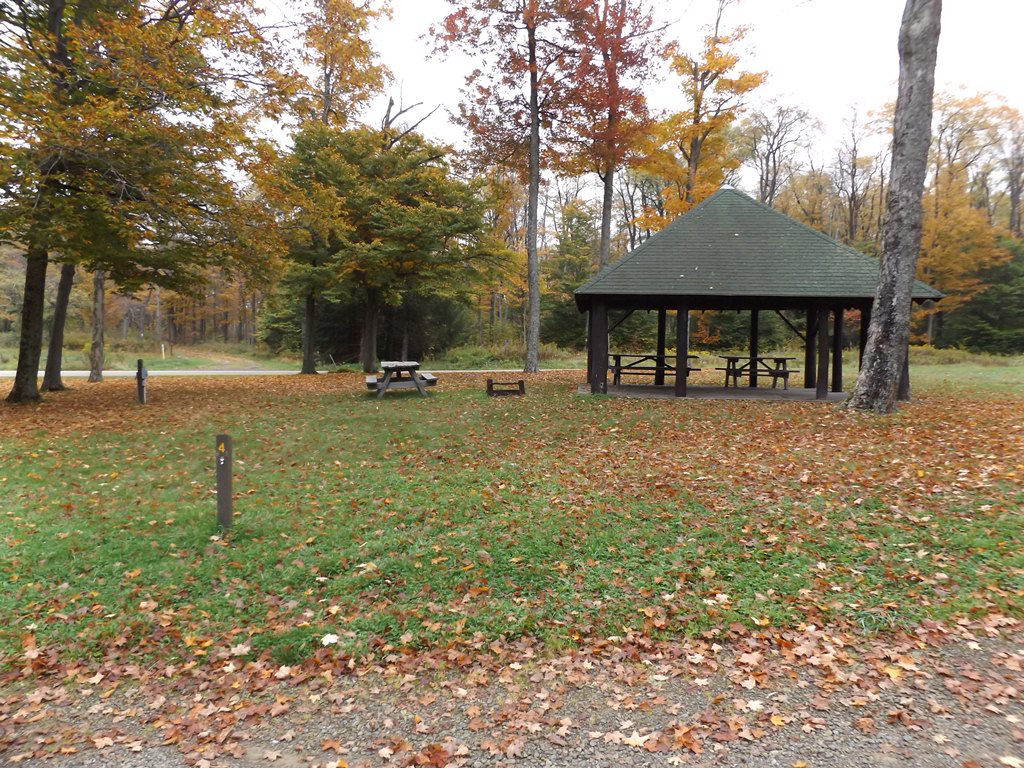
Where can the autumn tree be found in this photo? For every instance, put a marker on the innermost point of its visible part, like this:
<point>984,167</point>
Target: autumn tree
<point>958,244</point>
<point>889,331</point>
<point>854,173</point>
<point>122,123</point>
<point>391,219</point>
<point>52,375</point>
<point>346,74</point>
<point>690,147</point>
<point>809,197</point>
<point>509,98</point>
<point>771,137</point>
<point>504,283</point>
<point>993,319</point>
<point>639,192</point>
<point>564,271</point>
<point>1011,161</point>
<point>604,113</point>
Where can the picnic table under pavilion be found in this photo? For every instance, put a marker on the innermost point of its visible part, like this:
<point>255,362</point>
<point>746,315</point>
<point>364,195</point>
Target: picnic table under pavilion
<point>731,252</point>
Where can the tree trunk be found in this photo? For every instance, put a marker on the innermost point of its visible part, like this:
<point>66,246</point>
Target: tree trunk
<point>30,344</point>
<point>405,338</point>
<point>242,330</point>
<point>889,332</point>
<point>368,338</point>
<point>1015,217</point>
<point>606,217</point>
<point>532,263</point>
<point>98,316</point>
<point>54,357</point>
<point>309,335</point>
<point>158,319</point>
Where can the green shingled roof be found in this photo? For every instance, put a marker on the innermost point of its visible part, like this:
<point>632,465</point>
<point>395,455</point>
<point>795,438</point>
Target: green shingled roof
<point>732,245</point>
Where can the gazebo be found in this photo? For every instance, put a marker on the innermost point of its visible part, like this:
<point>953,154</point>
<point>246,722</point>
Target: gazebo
<point>731,252</point>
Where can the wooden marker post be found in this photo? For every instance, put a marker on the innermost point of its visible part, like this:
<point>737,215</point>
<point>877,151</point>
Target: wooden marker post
<point>141,374</point>
<point>223,461</point>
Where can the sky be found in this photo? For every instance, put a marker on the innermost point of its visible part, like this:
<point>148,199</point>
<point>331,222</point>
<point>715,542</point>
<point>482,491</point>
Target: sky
<point>828,56</point>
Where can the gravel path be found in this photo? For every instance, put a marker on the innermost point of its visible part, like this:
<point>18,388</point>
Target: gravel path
<point>961,707</point>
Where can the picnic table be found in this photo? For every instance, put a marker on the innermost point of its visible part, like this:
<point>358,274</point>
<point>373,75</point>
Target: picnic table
<point>646,365</point>
<point>741,365</point>
<point>393,379</point>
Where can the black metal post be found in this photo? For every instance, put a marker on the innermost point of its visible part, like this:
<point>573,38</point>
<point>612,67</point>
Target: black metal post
<point>141,375</point>
<point>223,463</point>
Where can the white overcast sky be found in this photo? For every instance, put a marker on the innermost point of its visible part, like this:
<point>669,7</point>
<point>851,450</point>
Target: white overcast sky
<point>827,55</point>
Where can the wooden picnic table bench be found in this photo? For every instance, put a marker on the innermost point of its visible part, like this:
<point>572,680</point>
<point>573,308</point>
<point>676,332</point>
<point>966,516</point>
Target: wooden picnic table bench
<point>393,379</point>
<point>775,367</point>
<point>646,365</point>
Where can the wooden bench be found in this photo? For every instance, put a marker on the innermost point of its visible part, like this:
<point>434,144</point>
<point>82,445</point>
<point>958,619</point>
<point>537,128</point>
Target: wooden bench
<point>506,388</point>
<point>647,372</point>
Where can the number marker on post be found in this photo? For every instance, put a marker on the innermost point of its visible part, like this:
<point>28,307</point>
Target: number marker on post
<point>223,461</point>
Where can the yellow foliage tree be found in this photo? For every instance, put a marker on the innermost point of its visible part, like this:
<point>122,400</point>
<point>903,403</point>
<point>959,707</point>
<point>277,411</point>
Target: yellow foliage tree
<point>690,149</point>
<point>958,243</point>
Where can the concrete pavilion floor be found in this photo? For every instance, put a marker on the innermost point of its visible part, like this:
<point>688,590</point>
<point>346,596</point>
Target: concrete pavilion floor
<point>650,391</point>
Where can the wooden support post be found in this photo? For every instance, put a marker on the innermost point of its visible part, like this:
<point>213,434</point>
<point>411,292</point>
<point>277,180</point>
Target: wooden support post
<point>810,337</point>
<point>821,383</point>
<point>682,348</point>
<point>837,350</point>
<point>753,347</point>
<point>223,462</point>
<point>590,344</point>
<point>865,323</point>
<point>599,349</point>
<point>659,374</point>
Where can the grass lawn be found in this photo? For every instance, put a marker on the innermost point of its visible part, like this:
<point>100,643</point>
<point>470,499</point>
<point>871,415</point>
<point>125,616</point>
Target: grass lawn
<point>463,520</point>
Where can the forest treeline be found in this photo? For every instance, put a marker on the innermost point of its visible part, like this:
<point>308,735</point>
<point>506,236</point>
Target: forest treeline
<point>141,197</point>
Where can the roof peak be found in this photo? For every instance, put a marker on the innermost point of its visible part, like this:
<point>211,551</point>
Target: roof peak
<point>732,244</point>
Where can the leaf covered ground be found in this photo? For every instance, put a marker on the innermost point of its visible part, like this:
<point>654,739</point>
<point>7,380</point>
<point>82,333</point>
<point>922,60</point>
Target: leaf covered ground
<point>461,531</point>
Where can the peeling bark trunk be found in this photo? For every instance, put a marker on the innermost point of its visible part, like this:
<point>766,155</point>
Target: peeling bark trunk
<point>30,344</point>
<point>309,335</point>
<point>532,363</point>
<point>96,348</point>
<point>889,332</point>
<point>54,356</point>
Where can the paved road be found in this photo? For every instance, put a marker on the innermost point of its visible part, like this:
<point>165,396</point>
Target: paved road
<point>131,374</point>
<point>246,372</point>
